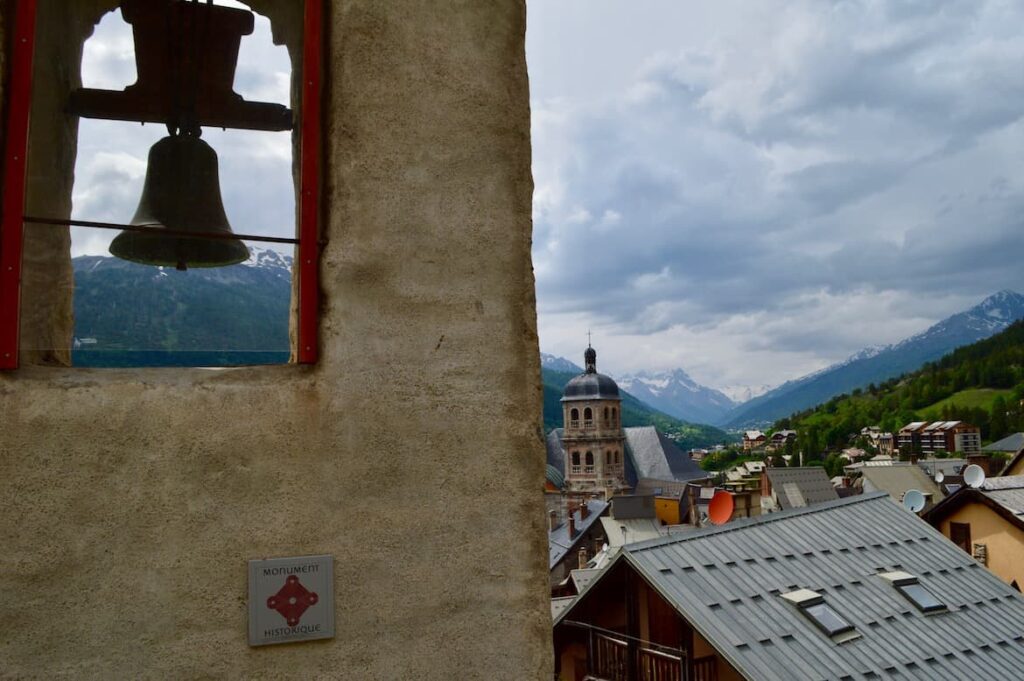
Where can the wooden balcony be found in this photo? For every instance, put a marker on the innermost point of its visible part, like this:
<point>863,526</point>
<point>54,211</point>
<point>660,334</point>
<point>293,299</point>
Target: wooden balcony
<point>611,663</point>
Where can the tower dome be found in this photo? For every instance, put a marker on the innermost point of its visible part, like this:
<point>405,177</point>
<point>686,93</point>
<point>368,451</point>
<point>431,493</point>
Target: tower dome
<point>590,385</point>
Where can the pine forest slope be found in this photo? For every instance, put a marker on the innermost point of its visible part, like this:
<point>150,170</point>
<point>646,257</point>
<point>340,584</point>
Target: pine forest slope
<point>994,365</point>
<point>875,365</point>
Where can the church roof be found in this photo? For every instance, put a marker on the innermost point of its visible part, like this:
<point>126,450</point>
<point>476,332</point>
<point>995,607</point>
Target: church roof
<point>590,385</point>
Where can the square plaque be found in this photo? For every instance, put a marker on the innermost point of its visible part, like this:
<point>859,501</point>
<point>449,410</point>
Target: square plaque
<point>291,599</point>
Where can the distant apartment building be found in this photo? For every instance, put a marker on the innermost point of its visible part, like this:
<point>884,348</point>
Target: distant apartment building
<point>885,443</point>
<point>779,438</point>
<point>940,436</point>
<point>753,439</point>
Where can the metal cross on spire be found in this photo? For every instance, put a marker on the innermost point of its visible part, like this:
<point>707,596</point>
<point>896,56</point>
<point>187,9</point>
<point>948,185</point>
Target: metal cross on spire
<point>588,338</point>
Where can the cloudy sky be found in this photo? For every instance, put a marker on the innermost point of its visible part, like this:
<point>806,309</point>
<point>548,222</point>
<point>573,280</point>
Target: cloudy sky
<point>753,190</point>
<point>112,155</point>
<point>746,190</point>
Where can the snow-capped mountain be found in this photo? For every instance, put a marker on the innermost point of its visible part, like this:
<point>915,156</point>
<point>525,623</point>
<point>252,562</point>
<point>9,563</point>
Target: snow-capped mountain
<point>744,393</point>
<point>555,363</point>
<point>268,259</point>
<point>878,363</point>
<point>676,394</point>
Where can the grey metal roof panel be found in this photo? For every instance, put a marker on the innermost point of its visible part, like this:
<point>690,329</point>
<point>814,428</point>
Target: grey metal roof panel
<point>679,462</point>
<point>1004,482</point>
<point>896,480</point>
<point>559,541</point>
<point>726,581</point>
<point>644,448</point>
<point>555,450</point>
<point>1010,443</point>
<point>812,482</point>
<point>1010,499</point>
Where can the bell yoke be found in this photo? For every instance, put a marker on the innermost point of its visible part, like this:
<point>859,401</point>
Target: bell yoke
<point>186,55</point>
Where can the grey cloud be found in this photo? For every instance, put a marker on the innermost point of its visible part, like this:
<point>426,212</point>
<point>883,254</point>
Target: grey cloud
<point>856,162</point>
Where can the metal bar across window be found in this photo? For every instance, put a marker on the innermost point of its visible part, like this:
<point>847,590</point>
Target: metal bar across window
<point>163,231</point>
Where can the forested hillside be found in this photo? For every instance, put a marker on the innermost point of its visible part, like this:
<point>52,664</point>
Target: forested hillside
<point>981,383</point>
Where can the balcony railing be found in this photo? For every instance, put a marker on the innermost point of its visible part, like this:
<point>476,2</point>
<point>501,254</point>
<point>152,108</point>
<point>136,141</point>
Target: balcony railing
<point>611,661</point>
<point>574,424</point>
<point>588,424</point>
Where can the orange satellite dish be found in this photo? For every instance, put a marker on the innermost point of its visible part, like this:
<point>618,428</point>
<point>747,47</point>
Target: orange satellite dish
<point>720,508</point>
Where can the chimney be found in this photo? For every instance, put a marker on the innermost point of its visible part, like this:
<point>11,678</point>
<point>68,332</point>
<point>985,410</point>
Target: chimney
<point>572,525</point>
<point>552,520</point>
<point>584,511</point>
<point>583,558</point>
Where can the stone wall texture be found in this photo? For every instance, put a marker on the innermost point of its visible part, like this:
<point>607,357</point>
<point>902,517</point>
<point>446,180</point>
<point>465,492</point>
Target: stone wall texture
<point>412,452</point>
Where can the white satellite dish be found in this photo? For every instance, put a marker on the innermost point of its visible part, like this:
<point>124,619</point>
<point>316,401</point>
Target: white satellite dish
<point>939,477</point>
<point>913,501</point>
<point>974,476</point>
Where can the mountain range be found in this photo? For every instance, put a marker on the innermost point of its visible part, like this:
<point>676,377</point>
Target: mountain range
<point>675,393</point>
<point>877,364</point>
<point>137,315</point>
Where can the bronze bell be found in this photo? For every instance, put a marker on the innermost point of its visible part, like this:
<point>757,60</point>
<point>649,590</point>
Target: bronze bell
<point>181,194</point>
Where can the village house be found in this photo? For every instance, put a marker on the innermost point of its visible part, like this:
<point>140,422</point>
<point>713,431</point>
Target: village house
<point>851,589</point>
<point>574,542</point>
<point>987,523</point>
<point>753,439</point>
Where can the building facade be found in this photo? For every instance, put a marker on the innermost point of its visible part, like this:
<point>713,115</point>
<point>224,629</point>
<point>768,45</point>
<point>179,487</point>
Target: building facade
<point>594,442</point>
<point>136,497</point>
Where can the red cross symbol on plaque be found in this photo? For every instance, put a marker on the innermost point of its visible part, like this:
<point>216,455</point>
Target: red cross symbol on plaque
<point>292,600</point>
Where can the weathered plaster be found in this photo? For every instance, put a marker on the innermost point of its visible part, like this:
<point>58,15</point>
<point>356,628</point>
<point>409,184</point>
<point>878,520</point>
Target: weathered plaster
<point>411,452</point>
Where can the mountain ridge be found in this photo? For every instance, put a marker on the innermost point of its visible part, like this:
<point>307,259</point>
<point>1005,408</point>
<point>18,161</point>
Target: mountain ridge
<point>878,363</point>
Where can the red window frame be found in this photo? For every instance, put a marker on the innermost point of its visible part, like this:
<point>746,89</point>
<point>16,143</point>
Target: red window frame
<point>14,166</point>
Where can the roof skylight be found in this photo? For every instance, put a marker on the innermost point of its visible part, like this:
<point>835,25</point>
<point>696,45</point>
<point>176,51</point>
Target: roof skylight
<point>914,591</point>
<point>813,606</point>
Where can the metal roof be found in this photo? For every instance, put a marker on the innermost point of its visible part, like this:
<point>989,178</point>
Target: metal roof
<point>727,582</point>
<point>620,532</point>
<point>559,541</point>
<point>810,484</point>
<point>897,480</point>
<point>591,386</point>
<point>1010,443</point>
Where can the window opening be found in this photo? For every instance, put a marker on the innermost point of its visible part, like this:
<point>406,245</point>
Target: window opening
<point>911,588</point>
<point>960,534</point>
<point>194,169</point>
<point>813,606</point>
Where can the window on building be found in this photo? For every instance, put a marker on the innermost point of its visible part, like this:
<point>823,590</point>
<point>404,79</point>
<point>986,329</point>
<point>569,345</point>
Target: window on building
<point>184,309</point>
<point>813,606</point>
<point>575,458</point>
<point>588,415</point>
<point>960,534</point>
<point>615,415</point>
<point>606,414</point>
<point>607,458</point>
<point>915,592</point>
<point>589,460</point>
<point>574,415</point>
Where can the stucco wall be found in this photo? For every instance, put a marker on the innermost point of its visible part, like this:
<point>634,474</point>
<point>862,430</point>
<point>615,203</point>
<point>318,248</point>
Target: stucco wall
<point>411,452</point>
<point>1005,543</point>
